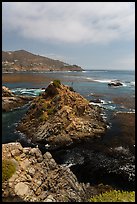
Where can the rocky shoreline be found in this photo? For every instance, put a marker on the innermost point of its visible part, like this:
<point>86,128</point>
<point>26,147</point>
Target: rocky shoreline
<point>65,115</point>
<point>11,101</point>
<point>38,178</point>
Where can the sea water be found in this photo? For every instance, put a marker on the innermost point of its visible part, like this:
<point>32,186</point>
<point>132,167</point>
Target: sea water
<point>92,85</point>
<point>88,83</point>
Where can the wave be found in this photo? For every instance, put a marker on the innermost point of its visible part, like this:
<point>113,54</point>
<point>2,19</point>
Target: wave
<point>132,83</point>
<point>129,111</point>
<point>27,91</point>
<point>109,105</point>
<point>124,83</point>
<point>103,80</point>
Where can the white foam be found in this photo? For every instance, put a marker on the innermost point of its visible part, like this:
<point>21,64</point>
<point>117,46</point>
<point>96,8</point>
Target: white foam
<point>33,92</point>
<point>103,81</point>
<point>124,84</point>
<point>131,111</point>
<point>47,145</point>
<point>104,104</point>
<point>121,149</point>
<point>95,104</point>
<point>132,83</point>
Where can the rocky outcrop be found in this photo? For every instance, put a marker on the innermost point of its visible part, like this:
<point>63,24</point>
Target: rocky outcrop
<point>11,101</point>
<point>6,92</point>
<point>21,60</point>
<point>60,117</point>
<point>115,83</point>
<point>38,178</point>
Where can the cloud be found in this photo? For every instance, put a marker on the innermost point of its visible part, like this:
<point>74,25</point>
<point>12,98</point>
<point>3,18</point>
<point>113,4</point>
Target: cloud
<point>70,22</point>
<point>126,61</point>
<point>57,57</point>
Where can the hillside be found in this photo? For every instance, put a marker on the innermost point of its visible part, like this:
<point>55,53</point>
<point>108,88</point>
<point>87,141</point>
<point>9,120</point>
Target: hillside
<point>22,60</point>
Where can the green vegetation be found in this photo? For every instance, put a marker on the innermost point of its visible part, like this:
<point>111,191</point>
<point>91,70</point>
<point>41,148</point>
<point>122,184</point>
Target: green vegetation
<point>56,83</point>
<point>71,89</point>
<point>8,169</point>
<point>45,106</point>
<point>43,117</point>
<point>114,196</point>
<point>50,111</point>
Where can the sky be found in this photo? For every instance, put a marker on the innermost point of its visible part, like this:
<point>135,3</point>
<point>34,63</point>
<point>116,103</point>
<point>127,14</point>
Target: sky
<point>93,35</point>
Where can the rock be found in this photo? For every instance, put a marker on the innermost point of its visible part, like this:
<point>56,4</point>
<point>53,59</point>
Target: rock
<point>21,189</point>
<point>25,163</point>
<point>95,100</point>
<point>115,83</point>
<point>31,171</point>
<point>40,182</point>
<point>11,101</point>
<point>6,92</point>
<point>50,198</point>
<point>62,123</point>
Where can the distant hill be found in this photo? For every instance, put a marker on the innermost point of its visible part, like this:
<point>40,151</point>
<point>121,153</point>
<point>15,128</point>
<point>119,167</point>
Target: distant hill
<point>22,60</point>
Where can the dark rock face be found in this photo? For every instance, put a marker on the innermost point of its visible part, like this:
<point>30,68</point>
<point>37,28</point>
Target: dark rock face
<point>60,117</point>
<point>95,100</point>
<point>39,178</point>
<point>11,101</point>
<point>115,83</point>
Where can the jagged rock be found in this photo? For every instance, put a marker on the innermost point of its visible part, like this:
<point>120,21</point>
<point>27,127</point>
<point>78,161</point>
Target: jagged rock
<point>41,182</point>
<point>96,100</point>
<point>11,101</point>
<point>6,92</point>
<point>115,83</point>
<point>61,117</point>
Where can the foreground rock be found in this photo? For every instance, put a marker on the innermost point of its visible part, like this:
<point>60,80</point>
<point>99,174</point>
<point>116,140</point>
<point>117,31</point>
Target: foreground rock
<point>39,178</point>
<point>60,117</point>
<point>11,101</point>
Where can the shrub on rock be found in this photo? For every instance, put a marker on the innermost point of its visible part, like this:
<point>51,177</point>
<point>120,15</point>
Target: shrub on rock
<point>114,196</point>
<point>56,83</point>
<point>8,169</point>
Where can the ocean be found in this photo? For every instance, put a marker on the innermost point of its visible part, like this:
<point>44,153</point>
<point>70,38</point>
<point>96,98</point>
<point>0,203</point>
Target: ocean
<point>117,103</point>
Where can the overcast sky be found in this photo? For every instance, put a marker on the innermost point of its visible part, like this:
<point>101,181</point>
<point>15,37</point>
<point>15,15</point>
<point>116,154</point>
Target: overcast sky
<point>94,35</point>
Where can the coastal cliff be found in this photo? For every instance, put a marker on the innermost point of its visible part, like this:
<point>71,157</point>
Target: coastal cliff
<point>23,61</point>
<point>60,117</point>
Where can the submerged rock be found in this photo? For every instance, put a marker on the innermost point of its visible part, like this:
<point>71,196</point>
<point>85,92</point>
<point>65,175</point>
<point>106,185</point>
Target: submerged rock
<point>60,117</point>
<point>11,101</point>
